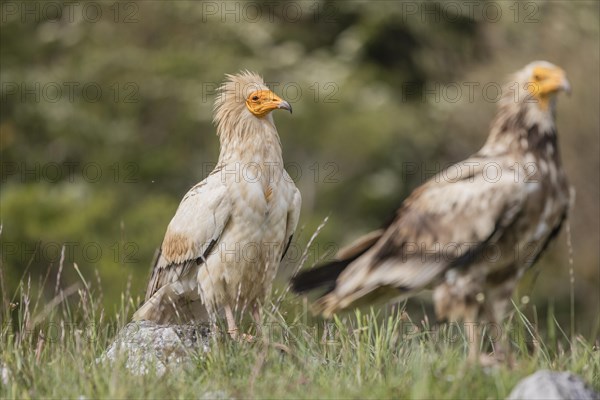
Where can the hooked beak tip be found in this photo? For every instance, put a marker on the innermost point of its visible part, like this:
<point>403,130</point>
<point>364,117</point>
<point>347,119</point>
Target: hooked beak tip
<point>285,106</point>
<point>566,86</point>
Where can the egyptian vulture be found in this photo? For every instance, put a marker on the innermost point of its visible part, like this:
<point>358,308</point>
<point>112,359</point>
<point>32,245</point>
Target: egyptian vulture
<point>223,246</point>
<point>470,232</point>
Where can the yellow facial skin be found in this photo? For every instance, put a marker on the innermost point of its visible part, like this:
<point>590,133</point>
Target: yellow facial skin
<point>262,102</point>
<point>545,82</point>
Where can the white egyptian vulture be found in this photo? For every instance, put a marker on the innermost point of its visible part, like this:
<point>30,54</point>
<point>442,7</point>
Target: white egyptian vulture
<point>471,231</point>
<point>222,248</point>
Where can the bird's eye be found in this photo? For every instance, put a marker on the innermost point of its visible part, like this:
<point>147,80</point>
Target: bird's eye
<point>537,77</point>
<point>255,98</point>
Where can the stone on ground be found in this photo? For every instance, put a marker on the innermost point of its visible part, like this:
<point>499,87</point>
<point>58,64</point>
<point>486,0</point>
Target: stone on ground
<point>550,385</point>
<point>145,346</point>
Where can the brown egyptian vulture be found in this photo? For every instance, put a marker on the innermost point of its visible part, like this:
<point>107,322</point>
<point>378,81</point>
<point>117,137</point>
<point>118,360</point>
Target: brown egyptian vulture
<point>470,232</point>
<point>223,246</point>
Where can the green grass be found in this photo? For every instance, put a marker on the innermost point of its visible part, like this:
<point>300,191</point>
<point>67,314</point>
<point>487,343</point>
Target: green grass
<point>51,350</point>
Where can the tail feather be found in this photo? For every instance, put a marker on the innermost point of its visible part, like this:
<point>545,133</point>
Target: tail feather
<point>168,305</point>
<point>325,276</point>
<point>151,310</point>
<point>320,277</point>
<point>332,302</point>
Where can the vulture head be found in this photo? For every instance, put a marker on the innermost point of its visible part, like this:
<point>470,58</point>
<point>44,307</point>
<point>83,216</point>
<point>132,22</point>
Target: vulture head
<point>245,98</point>
<point>543,80</point>
<point>529,97</point>
<point>537,83</point>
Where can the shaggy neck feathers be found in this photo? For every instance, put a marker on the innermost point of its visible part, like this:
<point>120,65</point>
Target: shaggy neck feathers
<point>521,124</point>
<point>243,136</point>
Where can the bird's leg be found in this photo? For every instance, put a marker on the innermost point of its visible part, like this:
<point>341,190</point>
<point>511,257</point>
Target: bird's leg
<point>256,313</point>
<point>474,338</point>
<point>500,338</point>
<point>473,332</point>
<point>494,309</point>
<point>257,317</point>
<point>499,346</point>
<point>232,328</point>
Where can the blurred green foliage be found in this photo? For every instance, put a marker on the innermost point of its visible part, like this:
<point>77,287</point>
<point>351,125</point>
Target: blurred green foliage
<point>106,115</point>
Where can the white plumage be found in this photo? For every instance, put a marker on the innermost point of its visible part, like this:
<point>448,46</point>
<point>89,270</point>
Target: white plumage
<point>223,246</point>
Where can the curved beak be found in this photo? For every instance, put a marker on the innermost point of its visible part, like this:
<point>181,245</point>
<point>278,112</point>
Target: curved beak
<point>565,85</point>
<point>262,102</point>
<point>560,81</point>
<point>556,81</point>
<point>284,105</point>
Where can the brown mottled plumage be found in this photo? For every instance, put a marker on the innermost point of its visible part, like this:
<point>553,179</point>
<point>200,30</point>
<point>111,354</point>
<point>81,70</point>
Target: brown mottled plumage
<point>224,244</point>
<point>470,232</point>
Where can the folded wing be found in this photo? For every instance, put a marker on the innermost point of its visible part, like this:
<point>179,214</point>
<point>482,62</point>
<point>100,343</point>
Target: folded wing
<point>192,234</point>
<point>444,224</point>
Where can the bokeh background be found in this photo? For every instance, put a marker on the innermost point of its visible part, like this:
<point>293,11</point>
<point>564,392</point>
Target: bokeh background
<point>106,114</point>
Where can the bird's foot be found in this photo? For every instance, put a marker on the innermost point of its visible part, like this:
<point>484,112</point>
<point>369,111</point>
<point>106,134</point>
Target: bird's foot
<point>242,338</point>
<point>246,337</point>
<point>488,360</point>
<point>497,360</point>
<point>233,333</point>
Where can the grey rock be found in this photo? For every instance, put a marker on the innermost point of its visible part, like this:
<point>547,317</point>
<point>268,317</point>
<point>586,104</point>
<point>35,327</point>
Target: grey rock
<point>145,346</point>
<point>549,385</point>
